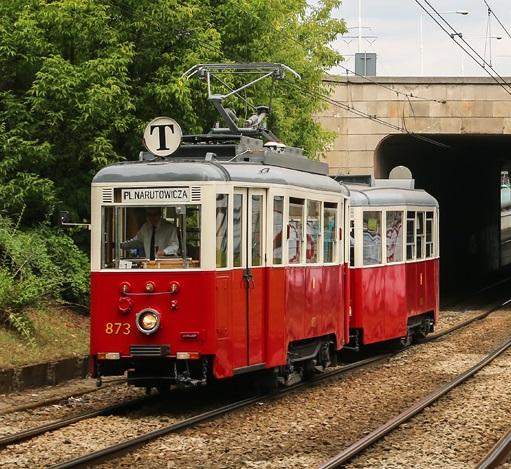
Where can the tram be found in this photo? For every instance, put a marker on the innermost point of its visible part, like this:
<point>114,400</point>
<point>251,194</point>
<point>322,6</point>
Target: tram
<point>229,253</point>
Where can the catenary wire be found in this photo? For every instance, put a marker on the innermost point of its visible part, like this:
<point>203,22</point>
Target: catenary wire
<point>289,36</point>
<point>363,114</point>
<point>482,63</point>
<point>490,10</point>
<point>346,106</point>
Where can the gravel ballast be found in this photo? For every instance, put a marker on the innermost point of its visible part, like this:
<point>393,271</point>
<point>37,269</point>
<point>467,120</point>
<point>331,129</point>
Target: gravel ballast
<point>303,429</point>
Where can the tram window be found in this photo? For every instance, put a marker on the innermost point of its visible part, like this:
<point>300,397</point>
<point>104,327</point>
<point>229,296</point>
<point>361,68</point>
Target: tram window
<point>313,224</point>
<point>410,235</point>
<point>420,235</point>
<point>221,229</point>
<point>329,231</point>
<point>191,240</point>
<point>237,223</point>
<point>352,242</point>
<point>394,236</point>
<point>278,211</point>
<point>372,238</point>
<point>128,237</point>
<point>257,227</point>
<point>295,230</point>
<point>429,234</point>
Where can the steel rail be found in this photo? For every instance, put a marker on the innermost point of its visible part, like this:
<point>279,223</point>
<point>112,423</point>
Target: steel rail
<point>135,442</point>
<point>498,454</point>
<point>55,400</point>
<point>376,435</point>
<point>132,443</point>
<point>22,436</point>
<point>465,323</point>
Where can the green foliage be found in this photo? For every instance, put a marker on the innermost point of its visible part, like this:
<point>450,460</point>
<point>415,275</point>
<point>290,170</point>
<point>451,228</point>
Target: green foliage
<point>80,78</point>
<point>35,266</point>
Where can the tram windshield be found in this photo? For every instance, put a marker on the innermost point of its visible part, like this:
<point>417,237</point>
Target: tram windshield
<point>161,237</point>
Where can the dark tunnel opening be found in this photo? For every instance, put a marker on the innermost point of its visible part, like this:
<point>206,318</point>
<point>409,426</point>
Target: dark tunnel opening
<point>466,180</point>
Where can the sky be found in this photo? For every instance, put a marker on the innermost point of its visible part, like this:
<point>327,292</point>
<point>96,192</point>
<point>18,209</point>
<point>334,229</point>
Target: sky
<point>394,25</point>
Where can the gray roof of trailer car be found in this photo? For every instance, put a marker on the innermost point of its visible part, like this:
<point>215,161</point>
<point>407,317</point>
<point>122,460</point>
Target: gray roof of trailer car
<point>176,171</point>
<point>386,196</point>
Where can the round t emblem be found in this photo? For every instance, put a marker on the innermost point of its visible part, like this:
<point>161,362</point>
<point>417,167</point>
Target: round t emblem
<point>162,136</point>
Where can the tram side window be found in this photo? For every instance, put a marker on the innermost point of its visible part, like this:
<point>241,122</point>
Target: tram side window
<point>352,242</point>
<point>394,236</point>
<point>257,228</point>
<point>278,212</point>
<point>420,234</point>
<point>313,224</point>
<point>237,224</point>
<point>222,202</point>
<point>295,230</point>
<point>189,224</point>
<point>329,231</point>
<point>167,236</point>
<point>429,234</point>
<point>410,235</point>
<point>372,238</point>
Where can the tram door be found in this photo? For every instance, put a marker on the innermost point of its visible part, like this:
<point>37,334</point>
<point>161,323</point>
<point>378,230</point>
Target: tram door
<point>249,256</point>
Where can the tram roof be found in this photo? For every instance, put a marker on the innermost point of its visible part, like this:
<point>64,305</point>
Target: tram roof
<point>388,196</point>
<point>196,171</point>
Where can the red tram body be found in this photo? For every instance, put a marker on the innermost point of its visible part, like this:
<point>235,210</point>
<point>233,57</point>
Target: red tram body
<point>266,264</point>
<point>265,278</point>
<point>260,282</point>
<point>394,267</point>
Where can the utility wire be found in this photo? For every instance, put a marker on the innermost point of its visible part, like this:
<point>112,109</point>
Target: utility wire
<point>363,114</point>
<point>292,38</point>
<point>490,10</point>
<point>474,55</point>
<point>390,88</point>
<point>345,106</point>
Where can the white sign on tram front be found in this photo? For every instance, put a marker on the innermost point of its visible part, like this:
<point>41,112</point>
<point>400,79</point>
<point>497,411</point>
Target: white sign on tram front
<point>162,136</point>
<point>155,195</point>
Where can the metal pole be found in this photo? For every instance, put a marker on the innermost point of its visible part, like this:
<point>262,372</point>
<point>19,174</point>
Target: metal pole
<point>359,26</point>
<point>421,45</point>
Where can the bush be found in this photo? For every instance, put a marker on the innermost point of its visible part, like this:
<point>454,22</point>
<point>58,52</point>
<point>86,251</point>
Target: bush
<point>38,265</point>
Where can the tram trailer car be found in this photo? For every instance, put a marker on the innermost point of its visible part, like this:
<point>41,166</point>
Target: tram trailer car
<point>260,282</point>
<point>394,262</point>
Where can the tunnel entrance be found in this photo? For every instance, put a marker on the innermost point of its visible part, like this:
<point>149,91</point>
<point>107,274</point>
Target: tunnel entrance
<point>466,178</point>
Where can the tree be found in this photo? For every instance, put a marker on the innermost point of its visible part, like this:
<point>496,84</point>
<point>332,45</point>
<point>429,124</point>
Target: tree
<point>82,77</point>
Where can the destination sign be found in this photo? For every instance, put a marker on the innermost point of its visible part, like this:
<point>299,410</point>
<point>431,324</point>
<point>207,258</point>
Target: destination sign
<point>155,195</point>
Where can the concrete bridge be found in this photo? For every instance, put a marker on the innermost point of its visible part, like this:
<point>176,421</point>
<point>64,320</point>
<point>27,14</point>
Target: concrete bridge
<point>468,123</point>
<point>442,107</point>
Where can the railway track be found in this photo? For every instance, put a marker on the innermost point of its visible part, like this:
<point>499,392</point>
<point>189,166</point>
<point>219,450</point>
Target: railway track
<point>57,399</point>
<point>498,455</point>
<point>101,455</point>
<point>108,410</point>
<point>123,447</point>
<point>376,435</point>
<point>205,416</point>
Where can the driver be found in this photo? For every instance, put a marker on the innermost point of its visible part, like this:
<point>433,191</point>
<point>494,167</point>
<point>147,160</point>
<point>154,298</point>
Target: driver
<point>157,236</point>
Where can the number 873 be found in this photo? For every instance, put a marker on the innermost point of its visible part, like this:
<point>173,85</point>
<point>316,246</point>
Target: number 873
<point>117,328</point>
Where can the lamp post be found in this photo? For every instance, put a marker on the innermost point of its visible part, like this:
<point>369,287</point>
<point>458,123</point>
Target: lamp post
<point>421,39</point>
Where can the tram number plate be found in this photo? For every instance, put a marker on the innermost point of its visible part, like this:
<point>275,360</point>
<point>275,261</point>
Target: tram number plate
<point>117,328</point>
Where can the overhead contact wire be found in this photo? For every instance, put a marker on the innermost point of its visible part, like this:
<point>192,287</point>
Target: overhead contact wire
<point>490,10</point>
<point>482,62</point>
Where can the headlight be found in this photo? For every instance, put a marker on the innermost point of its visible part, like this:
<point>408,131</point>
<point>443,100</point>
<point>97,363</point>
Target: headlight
<point>148,321</point>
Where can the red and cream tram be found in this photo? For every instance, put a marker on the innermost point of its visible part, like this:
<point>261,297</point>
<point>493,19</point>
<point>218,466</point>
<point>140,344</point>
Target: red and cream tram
<point>394,265</point>
<point>258,280</point>
<point>231,256</point>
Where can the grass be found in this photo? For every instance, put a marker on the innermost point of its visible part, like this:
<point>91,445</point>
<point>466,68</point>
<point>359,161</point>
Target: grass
<point>59,333</point>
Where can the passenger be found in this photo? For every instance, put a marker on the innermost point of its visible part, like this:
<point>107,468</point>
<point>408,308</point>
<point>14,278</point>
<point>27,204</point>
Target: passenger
<point>157,236</point>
